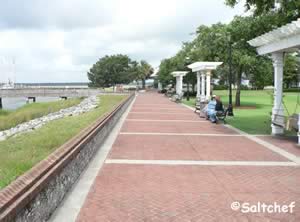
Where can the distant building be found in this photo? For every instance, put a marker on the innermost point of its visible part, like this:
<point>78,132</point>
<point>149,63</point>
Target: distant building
<point>53,85</point>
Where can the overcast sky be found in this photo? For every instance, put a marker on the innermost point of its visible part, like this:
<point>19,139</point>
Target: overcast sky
<point>59,40</point>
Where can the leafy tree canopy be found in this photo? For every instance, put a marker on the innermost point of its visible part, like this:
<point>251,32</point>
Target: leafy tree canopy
<point>288,10</point>
<point>117,69</point>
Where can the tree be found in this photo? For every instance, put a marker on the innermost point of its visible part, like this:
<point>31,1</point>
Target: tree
<point>178,63</point>
<point>287,10</point>
<point>145,71</point>
<point>111,70</point>
<point>291,70</point>
<point>164,75</point>
<point>261,73</point>
<point>212,44</point>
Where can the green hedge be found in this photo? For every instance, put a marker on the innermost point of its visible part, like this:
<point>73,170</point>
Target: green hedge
<point>292,90</point>
<point>220,87</point>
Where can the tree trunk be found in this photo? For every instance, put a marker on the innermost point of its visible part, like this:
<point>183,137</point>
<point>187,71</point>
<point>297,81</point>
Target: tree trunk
<point>193,89</point>
<point>188,92</point>
<point>143,83</point>
<point>238,88</point>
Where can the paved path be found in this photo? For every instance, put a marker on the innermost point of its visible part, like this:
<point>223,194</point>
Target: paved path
<point>167,164</point>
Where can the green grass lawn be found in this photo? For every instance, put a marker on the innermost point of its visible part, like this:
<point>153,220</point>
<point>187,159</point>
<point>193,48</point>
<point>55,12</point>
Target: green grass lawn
<point>258,120</point>
<point>18,154</point>
<point>9,119</point>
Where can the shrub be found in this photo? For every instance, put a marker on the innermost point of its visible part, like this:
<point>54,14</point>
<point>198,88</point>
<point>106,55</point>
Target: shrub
<point>192,94</point>
<point>220,87</point>
<point>292,90</point>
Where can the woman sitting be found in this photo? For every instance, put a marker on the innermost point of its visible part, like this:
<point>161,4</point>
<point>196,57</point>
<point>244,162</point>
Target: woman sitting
<point>211,109</point>
<point>215,107</point>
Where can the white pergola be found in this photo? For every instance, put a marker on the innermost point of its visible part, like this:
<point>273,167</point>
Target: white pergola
<point>154,75</point>
<point>203,69</point>
<point>277,42</point>
<point>179,76</point>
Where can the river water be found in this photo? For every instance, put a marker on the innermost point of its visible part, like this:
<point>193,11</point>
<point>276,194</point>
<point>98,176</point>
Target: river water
<point>14,103</point>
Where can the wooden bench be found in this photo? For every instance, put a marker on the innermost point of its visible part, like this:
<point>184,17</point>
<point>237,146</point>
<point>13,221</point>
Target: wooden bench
<point>292,123</point>
<point>197,104</point>
<point>177,98</point>
<point>221,115</point>
<point>170,92</point>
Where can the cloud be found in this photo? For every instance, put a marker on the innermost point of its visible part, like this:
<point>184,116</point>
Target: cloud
<point>60,40</point>
<point>65,14</point>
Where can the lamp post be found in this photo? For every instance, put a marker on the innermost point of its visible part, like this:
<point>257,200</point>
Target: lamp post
<point>186,63</point>
<point>230,107</point>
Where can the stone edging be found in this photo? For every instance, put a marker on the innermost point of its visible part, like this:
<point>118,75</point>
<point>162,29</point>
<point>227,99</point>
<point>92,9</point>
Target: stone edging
<point>37,193</point>
<point>84,106</point>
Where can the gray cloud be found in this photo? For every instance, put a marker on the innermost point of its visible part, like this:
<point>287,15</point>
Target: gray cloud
<point>61,14</point>
<point>59,40</point>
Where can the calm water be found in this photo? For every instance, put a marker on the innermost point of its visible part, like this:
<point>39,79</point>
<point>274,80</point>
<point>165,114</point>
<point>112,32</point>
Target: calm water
<point>14,103</point>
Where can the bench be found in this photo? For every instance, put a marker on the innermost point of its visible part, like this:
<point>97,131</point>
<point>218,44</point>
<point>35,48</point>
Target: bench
<point>221,115</point>
<point>197,104</point>
<point>177,98</point>
<point>288,123</point>
<point>292,123</point>
<point>170,92</point>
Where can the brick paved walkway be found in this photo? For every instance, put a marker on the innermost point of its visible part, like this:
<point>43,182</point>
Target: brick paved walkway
<point>167,164</point>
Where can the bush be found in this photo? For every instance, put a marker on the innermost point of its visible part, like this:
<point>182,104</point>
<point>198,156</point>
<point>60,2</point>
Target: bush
<point>244,87</point>
<point>220,87</point>
<point>292,90</point>
<point>191,94</point>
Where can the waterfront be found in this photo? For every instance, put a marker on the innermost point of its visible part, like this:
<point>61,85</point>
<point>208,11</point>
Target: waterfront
<point>14,103</point>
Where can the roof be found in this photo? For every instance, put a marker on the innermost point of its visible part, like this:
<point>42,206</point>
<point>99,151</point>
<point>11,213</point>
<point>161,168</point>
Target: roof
<point>198,66</point>
<point>179,73</point>
<point>281,39</point>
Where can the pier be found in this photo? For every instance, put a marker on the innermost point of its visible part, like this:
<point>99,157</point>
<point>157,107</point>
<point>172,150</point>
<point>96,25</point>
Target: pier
<point>33,93</point>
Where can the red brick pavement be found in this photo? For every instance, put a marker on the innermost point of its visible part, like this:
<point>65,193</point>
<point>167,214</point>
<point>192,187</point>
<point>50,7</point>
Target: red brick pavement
<point>176,127</point>
<point>128,192</point>
<point>149,147</point>
<point>287,143</point>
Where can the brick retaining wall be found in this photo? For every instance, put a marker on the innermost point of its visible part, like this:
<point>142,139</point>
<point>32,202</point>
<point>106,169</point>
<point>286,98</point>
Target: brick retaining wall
<point>35,195</point>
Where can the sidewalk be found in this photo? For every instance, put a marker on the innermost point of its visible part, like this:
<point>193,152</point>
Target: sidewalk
<point>167,164</point>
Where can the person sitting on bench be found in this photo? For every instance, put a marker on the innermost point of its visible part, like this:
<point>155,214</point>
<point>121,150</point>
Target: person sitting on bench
<point>216,109</point>
<point>211,109</point>
<point>219,105</point>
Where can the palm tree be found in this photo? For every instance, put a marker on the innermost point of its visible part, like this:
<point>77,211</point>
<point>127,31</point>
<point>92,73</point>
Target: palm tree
<point>145,71</point>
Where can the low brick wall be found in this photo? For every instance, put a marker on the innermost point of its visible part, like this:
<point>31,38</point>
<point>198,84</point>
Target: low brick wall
<point>35,195</point>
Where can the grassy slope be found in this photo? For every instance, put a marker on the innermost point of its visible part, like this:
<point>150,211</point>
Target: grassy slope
<point>19,154</point>
<point>256,121</point>
<point>9,119</point>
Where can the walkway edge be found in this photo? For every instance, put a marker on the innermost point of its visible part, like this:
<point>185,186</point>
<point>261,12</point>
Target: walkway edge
<point>270,146</point>
<point>200,162</point>
<point>69,209</point>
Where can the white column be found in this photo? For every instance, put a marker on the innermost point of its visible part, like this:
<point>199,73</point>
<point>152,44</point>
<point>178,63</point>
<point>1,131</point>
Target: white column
<point>278,111</point>
<point>198,84</point>
<point>208,73</point>
<point>179,84</point>
<point>159,86</point>
<point>202,86</point>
